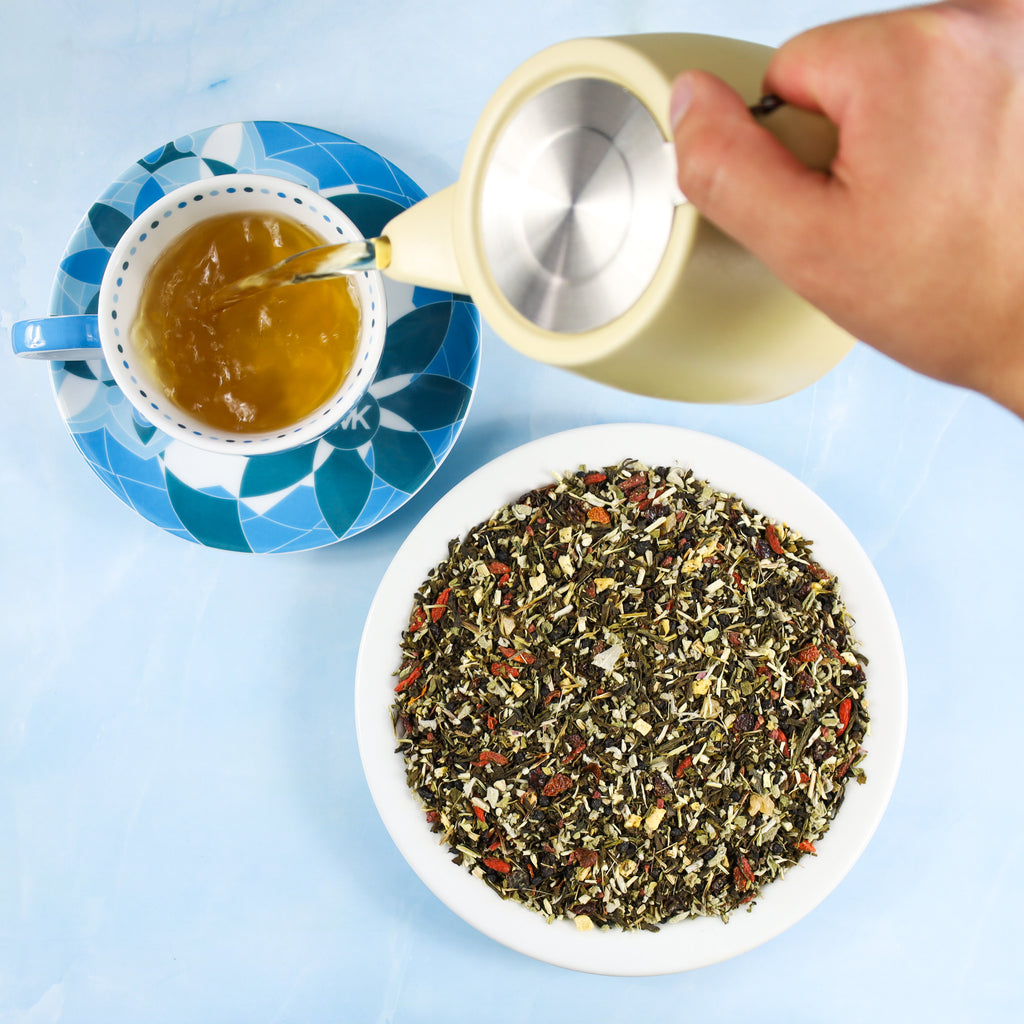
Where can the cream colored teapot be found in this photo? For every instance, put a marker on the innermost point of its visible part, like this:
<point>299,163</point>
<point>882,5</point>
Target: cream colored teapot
<point>567,228</point>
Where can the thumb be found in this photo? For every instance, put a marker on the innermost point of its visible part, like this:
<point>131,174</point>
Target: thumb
<point>740,176</point>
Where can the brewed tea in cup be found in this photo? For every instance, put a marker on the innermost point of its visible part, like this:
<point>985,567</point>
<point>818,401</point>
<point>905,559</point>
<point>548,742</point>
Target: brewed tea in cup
<point>269,372</point>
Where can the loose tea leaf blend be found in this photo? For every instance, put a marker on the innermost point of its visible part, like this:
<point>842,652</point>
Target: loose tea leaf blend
<point>628,697</point>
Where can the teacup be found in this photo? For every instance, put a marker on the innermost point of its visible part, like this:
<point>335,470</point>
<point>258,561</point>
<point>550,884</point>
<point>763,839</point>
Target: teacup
<point>158,232</point>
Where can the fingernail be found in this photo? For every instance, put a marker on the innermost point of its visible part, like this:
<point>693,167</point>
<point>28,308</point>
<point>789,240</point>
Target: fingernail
<point>682,94</point>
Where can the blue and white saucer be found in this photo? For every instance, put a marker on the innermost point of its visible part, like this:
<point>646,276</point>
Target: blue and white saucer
<point>327,490</point>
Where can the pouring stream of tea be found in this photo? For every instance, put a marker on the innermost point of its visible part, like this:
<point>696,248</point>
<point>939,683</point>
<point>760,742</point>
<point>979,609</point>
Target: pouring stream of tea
<point>312,265</point>
<point>349,257</point>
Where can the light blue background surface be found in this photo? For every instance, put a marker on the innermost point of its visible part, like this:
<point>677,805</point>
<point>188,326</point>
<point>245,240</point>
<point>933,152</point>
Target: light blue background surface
<point>185,833</point>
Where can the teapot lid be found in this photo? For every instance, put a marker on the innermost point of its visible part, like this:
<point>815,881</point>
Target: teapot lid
<point>577,204</point>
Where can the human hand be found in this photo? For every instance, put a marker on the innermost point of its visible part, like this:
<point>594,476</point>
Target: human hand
<point>914,242</point>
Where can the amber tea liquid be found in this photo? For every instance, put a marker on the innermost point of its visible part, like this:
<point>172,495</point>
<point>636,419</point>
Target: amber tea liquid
<point>262,363</point>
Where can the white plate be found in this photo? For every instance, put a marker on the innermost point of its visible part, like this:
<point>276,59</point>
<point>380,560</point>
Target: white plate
<point>680,945</point>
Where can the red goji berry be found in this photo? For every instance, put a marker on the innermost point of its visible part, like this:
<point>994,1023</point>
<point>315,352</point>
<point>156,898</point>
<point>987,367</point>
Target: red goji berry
<point>773,539</point>
<point>489,757</point>
<point>499,568</point>
<point>557,784</point>
<point>417,620</point>
<point>409,679</point>
<point>595,478</point>
<point>682,766</point>
<point>634,481</point>
<point>497,864</point>
<point>845,707</point>
<point>479,812</point>
<point>440,605</point>
<point>805,846</point>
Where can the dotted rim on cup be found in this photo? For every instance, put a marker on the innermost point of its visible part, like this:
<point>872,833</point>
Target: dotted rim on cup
<point>311,426</point>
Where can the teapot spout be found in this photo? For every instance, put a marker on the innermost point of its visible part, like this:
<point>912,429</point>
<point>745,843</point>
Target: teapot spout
<point>423,244</point>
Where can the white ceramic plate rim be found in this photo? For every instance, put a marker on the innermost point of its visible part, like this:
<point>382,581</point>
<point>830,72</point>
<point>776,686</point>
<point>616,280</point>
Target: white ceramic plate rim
<point>681,945</point>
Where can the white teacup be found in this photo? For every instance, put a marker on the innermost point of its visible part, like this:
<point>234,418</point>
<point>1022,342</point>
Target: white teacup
<point>109,332</point>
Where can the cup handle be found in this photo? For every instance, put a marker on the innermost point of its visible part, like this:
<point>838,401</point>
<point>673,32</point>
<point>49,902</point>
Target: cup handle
<point>57,337</point>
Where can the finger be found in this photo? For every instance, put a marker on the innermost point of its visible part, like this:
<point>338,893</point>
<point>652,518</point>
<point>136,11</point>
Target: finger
<point>739,176</point>
<point>809,72</point>
<point>824,68</point>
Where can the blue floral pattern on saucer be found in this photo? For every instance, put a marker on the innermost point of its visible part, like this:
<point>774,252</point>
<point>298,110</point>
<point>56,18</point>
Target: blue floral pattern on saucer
<point>330,489</point>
